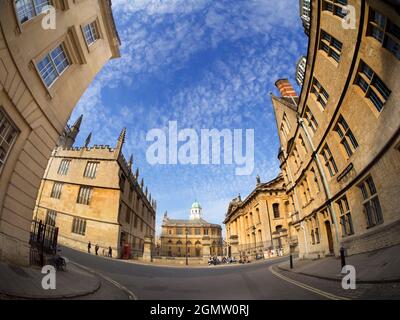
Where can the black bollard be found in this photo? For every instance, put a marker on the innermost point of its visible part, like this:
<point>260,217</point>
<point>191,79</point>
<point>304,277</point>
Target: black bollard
<point>342,257</point>
<point>291,261</point>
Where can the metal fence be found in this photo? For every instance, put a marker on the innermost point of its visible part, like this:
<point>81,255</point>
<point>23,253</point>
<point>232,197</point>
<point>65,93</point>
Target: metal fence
<point>43,240</point>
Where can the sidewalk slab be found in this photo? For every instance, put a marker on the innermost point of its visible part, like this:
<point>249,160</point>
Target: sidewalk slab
<point>26,282</point>
<point>380,266</point>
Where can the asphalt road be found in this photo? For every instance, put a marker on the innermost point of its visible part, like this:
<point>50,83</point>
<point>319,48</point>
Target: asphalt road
<point>245,282</point>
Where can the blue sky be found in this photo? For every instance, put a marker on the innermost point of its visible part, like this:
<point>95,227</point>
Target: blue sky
<point>205,64</point>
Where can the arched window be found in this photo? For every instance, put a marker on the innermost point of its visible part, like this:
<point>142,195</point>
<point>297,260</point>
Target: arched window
<point>275,209</point>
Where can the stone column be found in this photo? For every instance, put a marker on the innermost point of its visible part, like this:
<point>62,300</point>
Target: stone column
<point>233,243</point>
<point>148,241</point>
<point>206,242</point>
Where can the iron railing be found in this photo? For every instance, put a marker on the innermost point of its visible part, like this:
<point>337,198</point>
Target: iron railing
<point>43,240</point>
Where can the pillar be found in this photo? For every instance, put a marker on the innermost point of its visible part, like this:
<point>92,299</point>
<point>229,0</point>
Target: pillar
<point>148,241</point>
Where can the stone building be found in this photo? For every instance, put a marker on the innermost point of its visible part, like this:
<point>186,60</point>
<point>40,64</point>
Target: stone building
<point>203,238</point>
<point>43,73</point>
<point>340,145</point>
<point>91,194</point>
<point>259,225</point>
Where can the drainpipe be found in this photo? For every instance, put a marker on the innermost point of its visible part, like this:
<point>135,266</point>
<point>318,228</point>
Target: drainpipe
<point>324,180</point>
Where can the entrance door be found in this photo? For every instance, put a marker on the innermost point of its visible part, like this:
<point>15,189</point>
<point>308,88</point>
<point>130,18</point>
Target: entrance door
<point>329,235</point>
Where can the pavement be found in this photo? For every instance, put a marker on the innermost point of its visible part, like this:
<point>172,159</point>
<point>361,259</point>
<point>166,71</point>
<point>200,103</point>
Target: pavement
<point>26,283</point>
<point>380,266</point>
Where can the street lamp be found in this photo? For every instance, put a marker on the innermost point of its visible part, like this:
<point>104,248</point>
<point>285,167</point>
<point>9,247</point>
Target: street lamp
<point>186,232</point>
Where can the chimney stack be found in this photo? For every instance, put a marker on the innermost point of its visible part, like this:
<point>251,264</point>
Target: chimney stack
<point>285,87</point>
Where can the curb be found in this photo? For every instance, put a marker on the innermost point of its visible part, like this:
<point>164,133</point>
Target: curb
<point>129,293</point>
<point>339,279</point>
<point>53,297</point>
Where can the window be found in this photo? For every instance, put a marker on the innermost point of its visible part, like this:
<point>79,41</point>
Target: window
<point>91,33</point>
<point>84,196</point>
<point>64,166</point>
<point>330,45</point>
<point>56,191</point>
<point>51,216</point>
<point>385,31</point>
<point>373,87</point>
<point>53,65</point>
<point>372,206</point>
<point>8,134</point>
<point>347,138</point>
<point>91,170</point>
<point>345,217</point>
<point>28,9</point>
<point>330,163</point>
<point>310,119</point>
<point>320,93</point>
<point>206,232</point>
<point>197,231</point>
<point>79,226</point>
<point>136,220</point>
<point>128,216</point>
<point>179,231</point>
<point>275,209</point>
<point>337,7</point>
<point>141,225</point>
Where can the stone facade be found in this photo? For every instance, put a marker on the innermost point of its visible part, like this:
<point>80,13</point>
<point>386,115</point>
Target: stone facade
<point>340,145</point>
<point>260,225</point>
<point>91,194</point>
<point>204,239</point>
<point>37,98</point>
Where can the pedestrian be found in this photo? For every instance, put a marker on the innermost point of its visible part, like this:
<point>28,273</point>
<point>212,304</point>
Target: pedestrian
<point>110,252</point>
<point>96,249</point>
<point>88,247</point>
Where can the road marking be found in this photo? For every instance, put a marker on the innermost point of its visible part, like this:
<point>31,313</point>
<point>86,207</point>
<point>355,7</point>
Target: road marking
<point>307,287</point>
<point>130,294</point>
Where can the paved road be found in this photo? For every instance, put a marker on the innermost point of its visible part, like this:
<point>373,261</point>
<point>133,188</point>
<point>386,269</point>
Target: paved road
<point>251,281</point>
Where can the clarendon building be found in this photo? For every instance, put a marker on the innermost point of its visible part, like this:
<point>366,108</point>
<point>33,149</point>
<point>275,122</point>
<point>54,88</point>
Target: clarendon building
<point>339,139</point>
<point>91,194</point>
<point>200,237</point>
<point>43,73</point>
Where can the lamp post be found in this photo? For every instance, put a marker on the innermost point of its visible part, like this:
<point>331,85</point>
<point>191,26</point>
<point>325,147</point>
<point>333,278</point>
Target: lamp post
<point>186,233</point>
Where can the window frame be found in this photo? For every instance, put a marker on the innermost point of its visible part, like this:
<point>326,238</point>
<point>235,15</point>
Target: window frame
<point>91,168</point>
<point>319,93</point>
<point>85,195</point>
<point>11,125</point>
<point>56,190</point>
<point>329,160</point>
<point>327,44</point>
<point>366,79</point>
<point>48,55</point>
<point>346,136</point>
<point>383,31</point>
<point>371,201</point>
<point>64,172</point>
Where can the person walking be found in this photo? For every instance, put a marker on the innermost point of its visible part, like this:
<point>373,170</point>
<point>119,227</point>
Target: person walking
<point>89,246</point>
<point>96,249</point>
<point>110,252</point>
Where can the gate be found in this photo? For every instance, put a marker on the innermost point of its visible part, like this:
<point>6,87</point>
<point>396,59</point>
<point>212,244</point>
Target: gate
<point>43,240</point>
